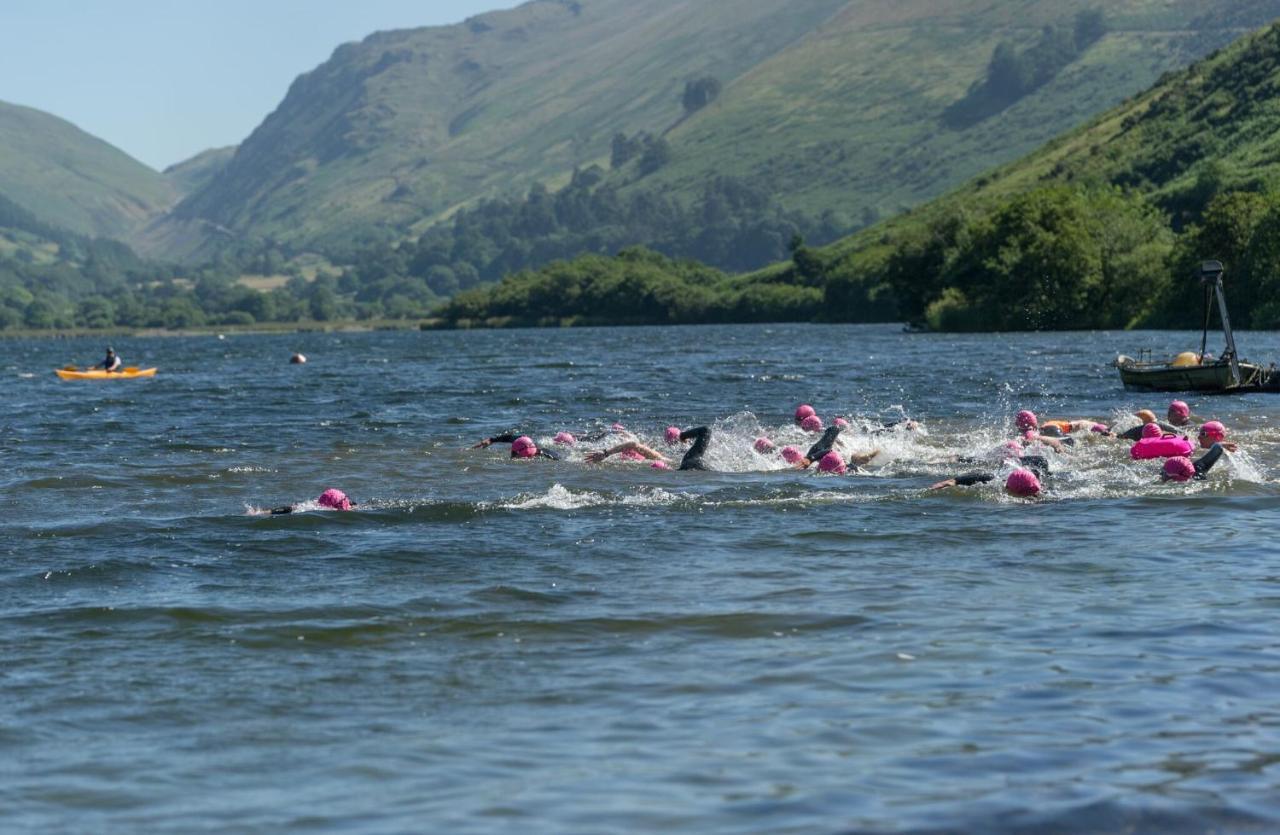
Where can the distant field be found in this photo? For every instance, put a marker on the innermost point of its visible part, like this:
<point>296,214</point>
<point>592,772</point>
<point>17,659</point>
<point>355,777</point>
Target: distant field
<point>266,283</point>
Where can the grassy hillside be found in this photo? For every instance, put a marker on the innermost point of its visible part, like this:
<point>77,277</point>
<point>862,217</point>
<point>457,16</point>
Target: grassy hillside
<point>1102,227</point>
<point>849,117</point>
<point>405,125</point>
<point>194,174</point>
<point>70,179</point>
<point>827,104</point>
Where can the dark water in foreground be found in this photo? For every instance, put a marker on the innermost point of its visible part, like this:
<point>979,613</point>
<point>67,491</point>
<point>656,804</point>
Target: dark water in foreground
<point>503,646</point>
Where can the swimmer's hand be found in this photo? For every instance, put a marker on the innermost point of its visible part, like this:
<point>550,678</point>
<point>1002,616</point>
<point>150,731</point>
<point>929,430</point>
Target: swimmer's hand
<point>483,443</point>
<point>1230,446</point>
<point>596,457</point>
<point>942,485</point>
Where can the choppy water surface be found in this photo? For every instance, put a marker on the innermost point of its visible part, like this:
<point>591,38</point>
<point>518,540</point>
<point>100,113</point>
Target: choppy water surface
<point>489,645</point>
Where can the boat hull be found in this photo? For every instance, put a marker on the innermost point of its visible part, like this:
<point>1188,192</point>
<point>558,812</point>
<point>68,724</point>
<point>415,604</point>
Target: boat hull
<point>99,374</point>
<point>1164,377</point>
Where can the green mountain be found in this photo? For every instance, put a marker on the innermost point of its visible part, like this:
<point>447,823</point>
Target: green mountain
<point>406,125</point>
<point>836,105</point>
<point>67,178</point>
<point>1102,227</point>
<point>194,174</point>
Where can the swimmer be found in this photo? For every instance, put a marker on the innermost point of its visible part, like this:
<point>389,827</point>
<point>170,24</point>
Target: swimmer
<point>522,446</point>
<point>701,437</point>
<point>1213,432</point>
<point>330,499</point>
<point>1146,416</point>
<point>630,449</point>
<point>1036,465</point>
<point>1179,413</point>
<point>824,447</point>
<point>1182,468</point>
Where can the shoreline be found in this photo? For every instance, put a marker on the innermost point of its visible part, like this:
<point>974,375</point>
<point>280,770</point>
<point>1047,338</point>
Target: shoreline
<point>343,326</point>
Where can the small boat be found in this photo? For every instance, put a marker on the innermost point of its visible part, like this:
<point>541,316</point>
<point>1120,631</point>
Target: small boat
<point>101,374</point>
<point>1196,370</point>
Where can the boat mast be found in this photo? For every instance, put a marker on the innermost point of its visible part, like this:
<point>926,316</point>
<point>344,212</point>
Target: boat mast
<point>1211,275</point>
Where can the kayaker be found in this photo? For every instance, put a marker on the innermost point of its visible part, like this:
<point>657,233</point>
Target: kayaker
<point>112,362</point>
<point>331,499</point>
<point>522,446</point>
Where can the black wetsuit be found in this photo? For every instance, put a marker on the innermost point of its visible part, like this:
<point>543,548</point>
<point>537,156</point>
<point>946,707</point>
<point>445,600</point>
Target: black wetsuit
<point>1135,433</point>
<point>510,437</point>
<point>112,362</point>
<point>1205,462</point>
<point>824,444</point>
<point>701,437</point>
<point>889,426</point>
<point>1037,464</point>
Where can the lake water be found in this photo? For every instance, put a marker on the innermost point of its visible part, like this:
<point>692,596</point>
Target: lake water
<point>489,645</point>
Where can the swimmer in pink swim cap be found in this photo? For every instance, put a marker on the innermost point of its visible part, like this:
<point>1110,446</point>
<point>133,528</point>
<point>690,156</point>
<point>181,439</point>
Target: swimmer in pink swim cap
<point>803,411</point>
<point>331,499</point>
<point>692,460</point>
<point>522,446</point>
<point>1181,468</point>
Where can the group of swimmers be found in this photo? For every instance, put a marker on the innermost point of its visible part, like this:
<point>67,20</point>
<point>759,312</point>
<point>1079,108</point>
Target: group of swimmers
<point>1152,439</point>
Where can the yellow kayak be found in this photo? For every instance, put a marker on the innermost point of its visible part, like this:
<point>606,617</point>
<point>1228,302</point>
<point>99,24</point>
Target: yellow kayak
<point>100,374</point>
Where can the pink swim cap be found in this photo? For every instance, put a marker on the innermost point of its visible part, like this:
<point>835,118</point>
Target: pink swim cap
<point>842,423</point>
<point>1214,431</point>
<point>1099,427</point>
<point>660,465</point>
<point>618,427</point>
<point>832,463</point>
<point>1010,449</point>
<point>790,454</point>
<point>1151,430</point>
<point>1023,484</point>
<point>335,499</point>
<point>1179,469</point>
<point>764,446</point>
<point>564,439</point>
<point>523,447</point>
<point>1026,420</point>
<point>812,423</point>
<point>803,411</point>
<point>1179,409</point>
<point>1029,435</point>
<point>672,434</point>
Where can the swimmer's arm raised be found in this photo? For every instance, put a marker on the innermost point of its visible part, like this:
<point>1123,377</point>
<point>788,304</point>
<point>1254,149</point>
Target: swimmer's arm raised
<point>504,438</point>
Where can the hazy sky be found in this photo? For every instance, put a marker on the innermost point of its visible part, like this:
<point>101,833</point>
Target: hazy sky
<point>166,79</point>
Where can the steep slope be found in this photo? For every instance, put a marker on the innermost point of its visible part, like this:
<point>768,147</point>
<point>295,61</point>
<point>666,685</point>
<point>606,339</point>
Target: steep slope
<point>407,124</point>
<point>70,179</point>
<point>849,118</point>
<point>829,104</point>
<point>1103,227</point>
<point>193,174</point>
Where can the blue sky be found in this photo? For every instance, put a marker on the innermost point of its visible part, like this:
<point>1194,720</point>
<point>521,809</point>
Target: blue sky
<point>166,79</point>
